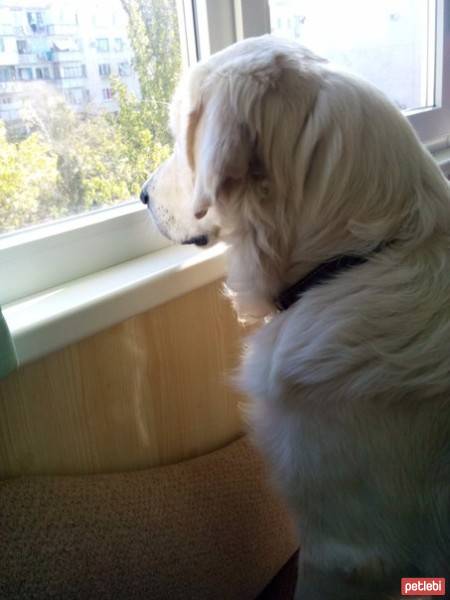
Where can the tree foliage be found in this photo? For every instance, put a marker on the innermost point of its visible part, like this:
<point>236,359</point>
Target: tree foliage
<point>154,35</point>
<point>27,174</point>
<point>71,162</point>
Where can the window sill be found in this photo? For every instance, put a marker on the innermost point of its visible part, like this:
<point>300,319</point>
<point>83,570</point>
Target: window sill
<point>62,315</point>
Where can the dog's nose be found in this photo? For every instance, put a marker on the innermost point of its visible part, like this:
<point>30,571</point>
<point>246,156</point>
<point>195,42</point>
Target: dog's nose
<point>144,195</point>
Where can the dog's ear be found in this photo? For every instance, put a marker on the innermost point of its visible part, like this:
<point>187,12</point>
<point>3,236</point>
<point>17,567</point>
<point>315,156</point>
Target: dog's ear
<point>219,148</point>
<point>247,128</point>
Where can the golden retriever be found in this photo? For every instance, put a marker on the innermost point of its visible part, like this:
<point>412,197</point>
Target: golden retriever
<point>328,202</point>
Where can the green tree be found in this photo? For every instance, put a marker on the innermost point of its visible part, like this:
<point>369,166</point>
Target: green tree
<point>143,150</point>
<point>93,166</point>
<point>155,38</point>
<point>143,124</point>
<point>73,162</point>
<point>27,174</point>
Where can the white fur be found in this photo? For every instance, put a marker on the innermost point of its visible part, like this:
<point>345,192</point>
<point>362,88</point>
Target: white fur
<point>295,163</point>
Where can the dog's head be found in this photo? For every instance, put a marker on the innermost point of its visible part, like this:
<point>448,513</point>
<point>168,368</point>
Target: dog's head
<point>285,159</point>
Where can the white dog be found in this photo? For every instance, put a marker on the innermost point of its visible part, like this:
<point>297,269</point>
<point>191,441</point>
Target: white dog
<point>335,212</point>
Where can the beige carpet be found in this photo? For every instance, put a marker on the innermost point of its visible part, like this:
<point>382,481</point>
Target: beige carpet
<point>209,528</point>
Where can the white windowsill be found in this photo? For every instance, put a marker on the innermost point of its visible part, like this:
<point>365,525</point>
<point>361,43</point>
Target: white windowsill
<point>59,316</point>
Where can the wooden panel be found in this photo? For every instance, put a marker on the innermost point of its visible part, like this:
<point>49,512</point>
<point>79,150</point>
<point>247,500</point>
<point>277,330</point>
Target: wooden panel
<point>149,391</point>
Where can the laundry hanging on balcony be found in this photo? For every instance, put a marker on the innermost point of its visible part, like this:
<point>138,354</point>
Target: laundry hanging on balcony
<point>65,45</point>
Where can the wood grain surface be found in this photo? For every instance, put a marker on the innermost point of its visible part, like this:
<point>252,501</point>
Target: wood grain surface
<point>152,390</point>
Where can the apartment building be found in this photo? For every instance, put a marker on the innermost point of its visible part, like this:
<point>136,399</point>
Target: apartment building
<point>74,46</point>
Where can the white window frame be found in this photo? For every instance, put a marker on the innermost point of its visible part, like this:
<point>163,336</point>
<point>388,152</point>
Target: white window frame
<point>36,259</point>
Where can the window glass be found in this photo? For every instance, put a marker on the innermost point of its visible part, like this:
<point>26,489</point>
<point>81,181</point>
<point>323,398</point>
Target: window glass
<point>124,69</point>
<point>77,132</point>
<point>7,74</point>
<point>388,42</point>
<point>42,73</point>
<point>103,45</point>
<point>107,93</point>
<point>118,44</point>
<point>23,47</point>
<point>104,69</point>
<point>25,73</point>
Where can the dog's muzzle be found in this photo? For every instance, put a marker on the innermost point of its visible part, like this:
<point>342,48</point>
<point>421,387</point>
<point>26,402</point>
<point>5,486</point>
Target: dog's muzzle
<point>198,240</point>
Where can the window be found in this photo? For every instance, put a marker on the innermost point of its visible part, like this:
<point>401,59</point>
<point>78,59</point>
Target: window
<point>42,73</point>
<point>7,74</point>
<point>75,96</point>
<point>73,71</point>
<point>95,188</point>
<point>107,93</point>
<point>104,70</point>
<point>2,45</point>
<point>25,74</point>
<point>124,69</point>
<point>118,45</point>
<point>55,183</point>
<point>35,21</point>
<point>389,42</point>
<point>102,45</point>
<point>23,47</point>
<point>79,113</point>
<point>6,99</point>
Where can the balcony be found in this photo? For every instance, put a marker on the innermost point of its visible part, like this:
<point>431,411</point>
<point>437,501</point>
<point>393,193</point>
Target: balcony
<point>28,58</point>
<point>15,103</point>
<point>8,59</point>
<point>69,82</point>
<point>65,56</point>
<point>9,87</point>
<point>62,29</point>
<point>9,114</point>
<point>7,29</point>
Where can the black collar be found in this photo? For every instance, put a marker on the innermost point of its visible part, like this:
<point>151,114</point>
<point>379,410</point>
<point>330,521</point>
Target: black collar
<point>320,274</point>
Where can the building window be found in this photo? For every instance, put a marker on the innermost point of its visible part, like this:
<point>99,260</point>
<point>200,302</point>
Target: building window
<point>104,70</point>
<point>25,74</point>
<point>102,44</point>
<point>23,47</point>
<point>6,100</point>
<point>124,69</point>
<point>75,96</point>
<point>35,21</point>
<point>73,71</point>
<point>298,22</point>
<point>7,73</point>
<point>42,73</point>
<point>2,45</point>
<point>119,44</point>
<point>107,93</point>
